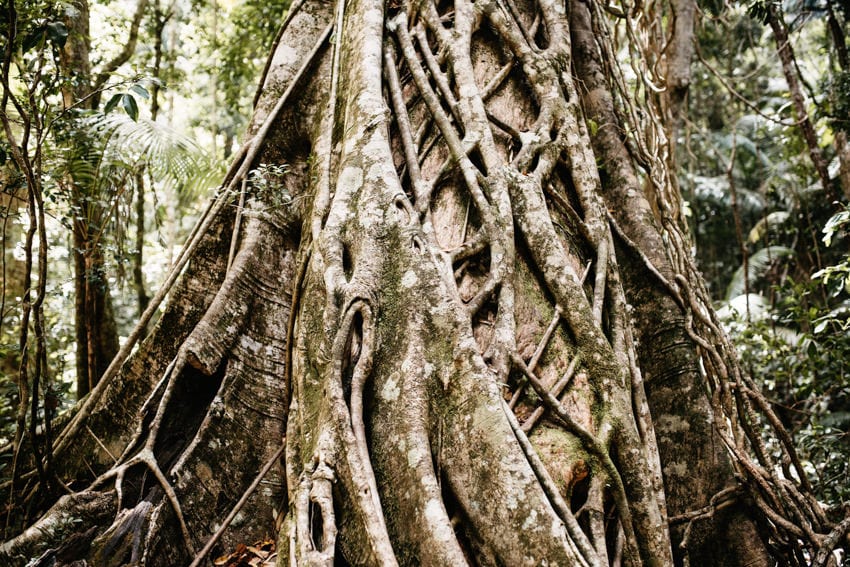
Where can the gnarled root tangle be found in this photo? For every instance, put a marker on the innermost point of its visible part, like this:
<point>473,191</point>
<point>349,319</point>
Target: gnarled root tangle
<point>417,306</point>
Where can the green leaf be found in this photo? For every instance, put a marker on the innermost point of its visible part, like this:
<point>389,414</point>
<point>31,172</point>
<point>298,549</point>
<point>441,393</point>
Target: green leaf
<point>130,106</point>
<point>32,39</point>
<point>834,224</point>
<point>3,156</point>
<point>812,349</point>
<point>113,102</point>
<point>58,33</point>
<point>141,91</point>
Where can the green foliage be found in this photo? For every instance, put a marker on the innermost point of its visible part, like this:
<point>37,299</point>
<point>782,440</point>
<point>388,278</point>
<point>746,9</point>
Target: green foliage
<point>267,184</point>
<point>234,47</point>
<point>713,226</point>
<point>836,278</point>
<point>836,223</point>
<point>801,364</point>
<point>127,101</point>
<point>91,164</point>
<point>760,9</point>
<point>54,32</point>
<point>797,346</point>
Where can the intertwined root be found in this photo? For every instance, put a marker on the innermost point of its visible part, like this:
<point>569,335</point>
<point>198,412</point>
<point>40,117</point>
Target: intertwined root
<point>435,448</point>
<point>395,419</point>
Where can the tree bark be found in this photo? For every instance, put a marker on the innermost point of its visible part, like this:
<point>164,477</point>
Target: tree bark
<point>842,150</point>
<point>96,332</point>
<point>680,408</point>
<point>139,249</point>
<point>680,54</point>
<point>441,239</point>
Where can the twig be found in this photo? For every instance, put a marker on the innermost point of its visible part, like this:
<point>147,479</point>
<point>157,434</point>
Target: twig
<point>361,373</point>
<point>235,510</point>
<point>538,352</point>
<point>551,490</point>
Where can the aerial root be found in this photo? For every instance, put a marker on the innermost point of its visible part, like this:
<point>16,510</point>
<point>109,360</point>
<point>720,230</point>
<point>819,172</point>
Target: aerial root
<point>556,391</point>
<point>420,188</point>
<point>594,447</point>
<point>792,517</point>
<point>538,352</point>
<point>831,541</point>
<point>600,279</point>
<point>723,499</point>
<point>361,373</point>
<point>577,536</point>
<point>352,355</point>
<point>594,508</point>
<point>399,27</point>
<point>146,455</point>
<point>477,243</point>
<point>491,284</point>
<point>315,540</point>
<point>147,458</point>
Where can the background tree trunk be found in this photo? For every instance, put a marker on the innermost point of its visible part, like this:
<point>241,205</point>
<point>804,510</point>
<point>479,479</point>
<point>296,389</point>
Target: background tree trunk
<point>461,229</point>
<point>94,321</point>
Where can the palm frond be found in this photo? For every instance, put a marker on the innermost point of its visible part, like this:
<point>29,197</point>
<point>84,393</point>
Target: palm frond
<point>167,154</point>
<point>758,265</point>
<point>751,305</point>
<point>772,221</point>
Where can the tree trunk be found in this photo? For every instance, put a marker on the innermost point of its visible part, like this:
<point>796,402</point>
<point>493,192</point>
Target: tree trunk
<point>94,322</point>
<point>775,19</point>
<point>681,411</point>
<point>442,239</point>
<point>96,332</point>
